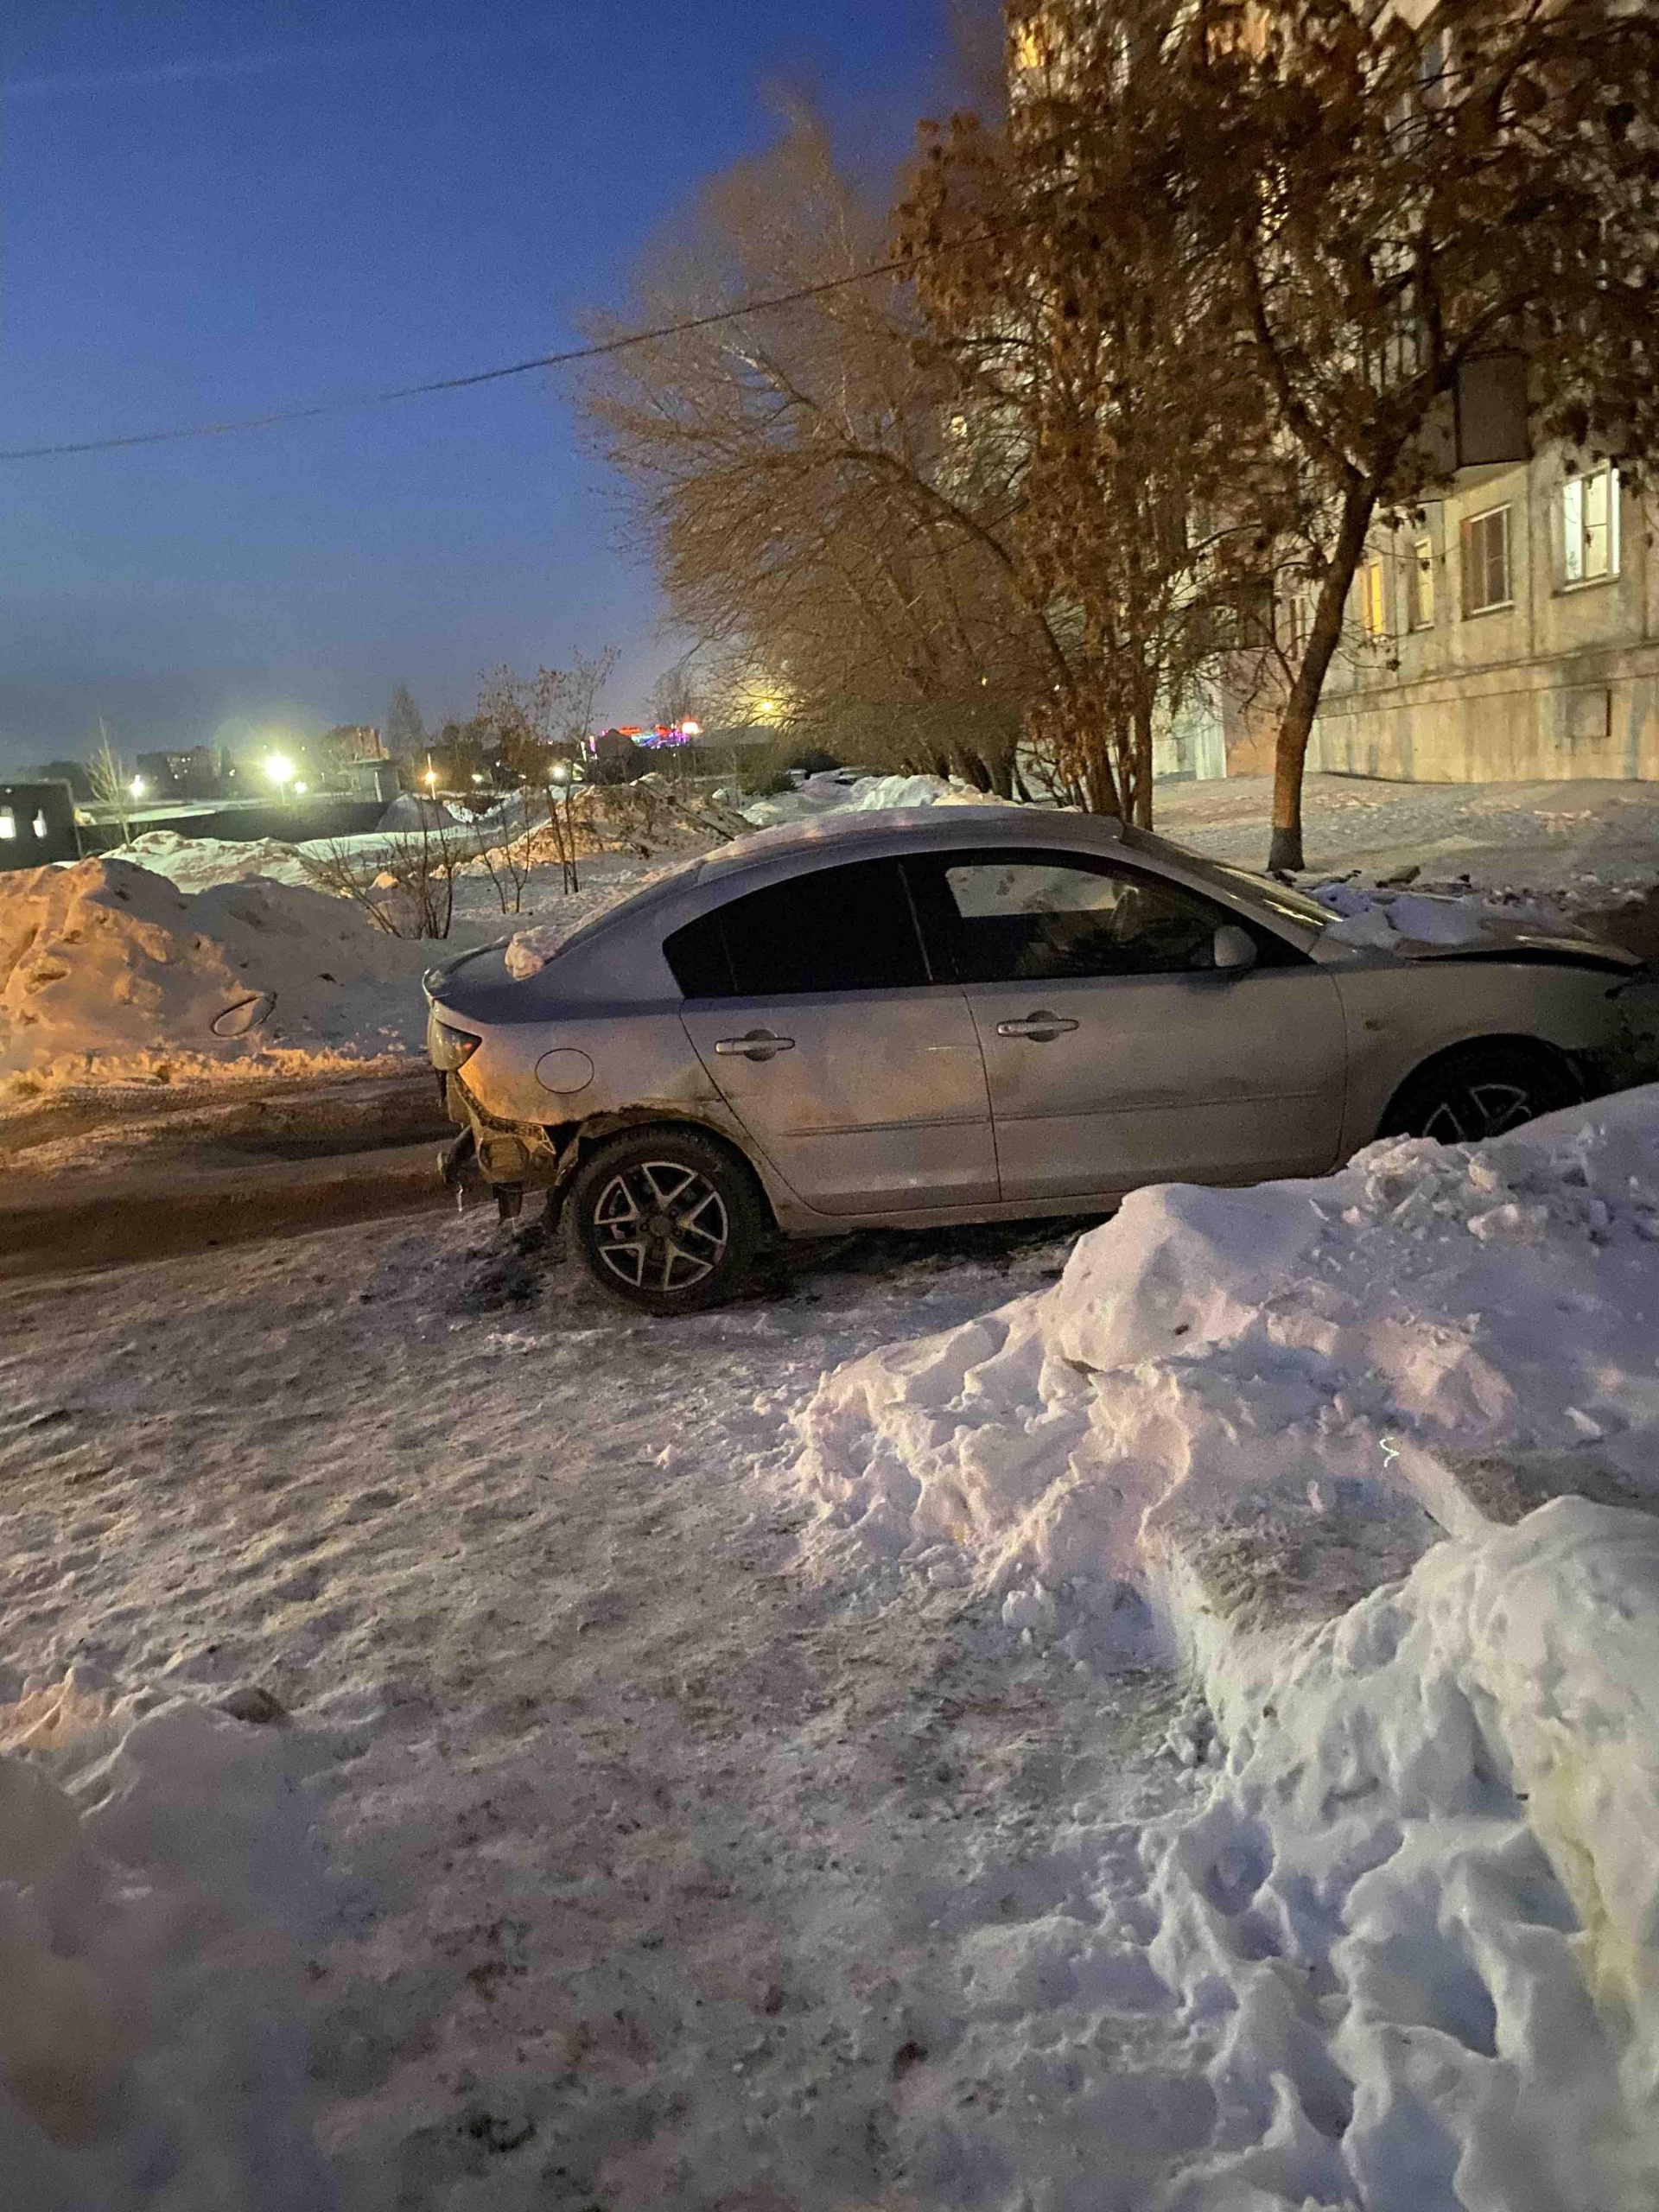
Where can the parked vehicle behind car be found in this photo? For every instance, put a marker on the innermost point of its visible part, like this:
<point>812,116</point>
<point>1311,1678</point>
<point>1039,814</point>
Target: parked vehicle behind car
<point>972,1013</point>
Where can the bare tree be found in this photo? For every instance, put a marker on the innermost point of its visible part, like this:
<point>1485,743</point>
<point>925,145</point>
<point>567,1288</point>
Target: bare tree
<point>819,515</point>
<point>405,884</point>
<point>539,726</point>
<point>111,784</point>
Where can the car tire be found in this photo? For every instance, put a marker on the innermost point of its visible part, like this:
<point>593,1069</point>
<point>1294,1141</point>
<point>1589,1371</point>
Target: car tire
<point>1478,1091</point>
<point>668,1221</point>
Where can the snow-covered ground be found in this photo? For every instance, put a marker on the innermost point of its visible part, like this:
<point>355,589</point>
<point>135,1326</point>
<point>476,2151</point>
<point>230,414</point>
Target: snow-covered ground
<point>1586,837</point>
<point>1152,1743</point>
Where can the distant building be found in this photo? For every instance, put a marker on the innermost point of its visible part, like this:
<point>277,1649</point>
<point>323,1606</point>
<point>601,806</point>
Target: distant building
<point>349,742</point>
<point>192,773</point>
<point>38,824</point>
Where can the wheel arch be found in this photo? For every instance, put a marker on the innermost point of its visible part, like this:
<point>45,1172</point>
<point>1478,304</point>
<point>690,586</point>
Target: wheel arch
<point>578,1141</point>
<point>1536,1048</point>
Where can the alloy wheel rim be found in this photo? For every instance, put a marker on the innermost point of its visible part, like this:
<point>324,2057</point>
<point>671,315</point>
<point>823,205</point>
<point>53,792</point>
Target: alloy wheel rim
<point>661,1226</point>
<point>1477,1111</point>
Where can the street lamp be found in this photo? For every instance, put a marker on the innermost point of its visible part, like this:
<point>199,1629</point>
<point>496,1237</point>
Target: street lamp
<point>280,769</point>
<point>137,787</point>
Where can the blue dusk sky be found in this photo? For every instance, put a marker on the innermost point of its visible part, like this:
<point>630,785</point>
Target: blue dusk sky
<point>211,207</point>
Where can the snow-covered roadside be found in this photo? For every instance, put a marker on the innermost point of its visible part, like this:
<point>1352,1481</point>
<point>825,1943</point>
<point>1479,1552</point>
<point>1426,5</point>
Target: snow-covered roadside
<point>724,1820</point>
<point>109,973</point>
<point>1229,1428</point>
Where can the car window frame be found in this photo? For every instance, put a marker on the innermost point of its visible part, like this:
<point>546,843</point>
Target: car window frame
<point>936,917</point>
<point>894,862</point>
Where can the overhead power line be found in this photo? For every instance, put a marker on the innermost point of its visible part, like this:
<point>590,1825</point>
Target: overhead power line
<point>315,408</point>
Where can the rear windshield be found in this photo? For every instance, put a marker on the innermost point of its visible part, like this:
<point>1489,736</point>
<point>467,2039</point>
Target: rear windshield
<point>1243,882</point>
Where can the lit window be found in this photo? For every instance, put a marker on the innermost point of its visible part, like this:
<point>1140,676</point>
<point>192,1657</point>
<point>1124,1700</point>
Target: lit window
<point>1486,562</point>
<point>1373,601</point>
<point>1419,584</point>
<point>39,824</point>
<point>1590,526</point>
<point>8,822</point>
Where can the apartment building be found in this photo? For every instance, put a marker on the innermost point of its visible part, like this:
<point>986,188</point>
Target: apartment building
<point>1514,634</point>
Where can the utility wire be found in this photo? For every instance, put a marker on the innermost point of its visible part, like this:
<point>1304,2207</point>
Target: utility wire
<point>448,384</point>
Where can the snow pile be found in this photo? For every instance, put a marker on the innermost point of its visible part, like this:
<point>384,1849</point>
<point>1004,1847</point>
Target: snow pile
<point>107,970</point>
<point>1377,1452</point>
<point>157,1873</point>
<point>1220,1377</point>
<point>196,863</point>
<point>828,794</point>
<point>1376,1948</point>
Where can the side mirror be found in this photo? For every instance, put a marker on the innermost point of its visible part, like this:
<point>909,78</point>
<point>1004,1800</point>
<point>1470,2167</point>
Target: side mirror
<point>1233,948</point>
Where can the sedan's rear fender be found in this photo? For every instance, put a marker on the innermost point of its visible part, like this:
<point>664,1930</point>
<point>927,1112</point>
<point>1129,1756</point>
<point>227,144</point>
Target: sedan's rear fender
<point>1399,1015</point>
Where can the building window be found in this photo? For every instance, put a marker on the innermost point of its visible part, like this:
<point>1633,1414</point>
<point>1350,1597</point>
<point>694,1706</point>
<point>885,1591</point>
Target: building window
<point>1373,601</point>
<point>1590,526</point>
<point>1292,623</point>
<point>8,822</point>
<point>1419,584</point>
<point>39,824</point>
<point>1486,562</point>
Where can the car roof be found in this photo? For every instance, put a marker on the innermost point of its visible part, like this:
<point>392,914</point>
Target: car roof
<point>878,830</point>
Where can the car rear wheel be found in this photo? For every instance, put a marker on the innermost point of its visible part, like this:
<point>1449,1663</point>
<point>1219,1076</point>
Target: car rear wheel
<point>1480,1091</point>
<point>668,1220</point>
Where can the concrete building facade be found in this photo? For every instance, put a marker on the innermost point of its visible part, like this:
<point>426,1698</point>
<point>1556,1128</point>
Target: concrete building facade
<point>1513,635</point>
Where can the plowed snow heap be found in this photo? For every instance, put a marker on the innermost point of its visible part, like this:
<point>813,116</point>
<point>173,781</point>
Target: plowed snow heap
<point>108,972</point>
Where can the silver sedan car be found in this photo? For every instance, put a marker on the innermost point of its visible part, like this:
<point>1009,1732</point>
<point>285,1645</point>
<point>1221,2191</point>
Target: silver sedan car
<point>973,1014</point>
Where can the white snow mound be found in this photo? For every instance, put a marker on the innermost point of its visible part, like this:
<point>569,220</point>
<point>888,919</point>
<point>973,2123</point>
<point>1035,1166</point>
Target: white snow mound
<point>107,970</point>
<point>1377,1452</point>
<point>1219,1372</point>
<point>158,1873</point>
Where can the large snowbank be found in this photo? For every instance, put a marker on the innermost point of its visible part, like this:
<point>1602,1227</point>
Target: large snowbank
<point>1218,1372</point>
<point>1377,1452</point>
<point>158,1871</point>
<point>107,970</point>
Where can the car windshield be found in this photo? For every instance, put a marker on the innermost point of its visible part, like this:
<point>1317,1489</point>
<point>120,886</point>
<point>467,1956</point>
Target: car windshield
<point>1266,890</point>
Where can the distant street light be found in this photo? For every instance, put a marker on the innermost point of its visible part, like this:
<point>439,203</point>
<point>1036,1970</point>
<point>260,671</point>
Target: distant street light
<point>137,787</point>
<point>280,769</point>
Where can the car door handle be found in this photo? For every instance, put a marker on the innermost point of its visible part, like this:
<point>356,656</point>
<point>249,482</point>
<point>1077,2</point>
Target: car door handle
<point>759,1044</point>
<point>1041,1029</point>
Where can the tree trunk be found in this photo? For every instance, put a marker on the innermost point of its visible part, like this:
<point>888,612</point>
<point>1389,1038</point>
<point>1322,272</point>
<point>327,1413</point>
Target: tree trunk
<point>1296,726</point>
<point>1142,765</point>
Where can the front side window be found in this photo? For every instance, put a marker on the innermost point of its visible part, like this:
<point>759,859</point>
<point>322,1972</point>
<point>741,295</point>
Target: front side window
<point>1486,581</point>
<point>1030,918</point>
<point>835,929</point>
<point>1590,526</point>
<point>1419,584</point>
<point>8,822</point>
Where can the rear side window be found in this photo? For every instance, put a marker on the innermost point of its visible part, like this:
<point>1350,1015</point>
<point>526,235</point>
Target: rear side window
<point>837,929</point>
